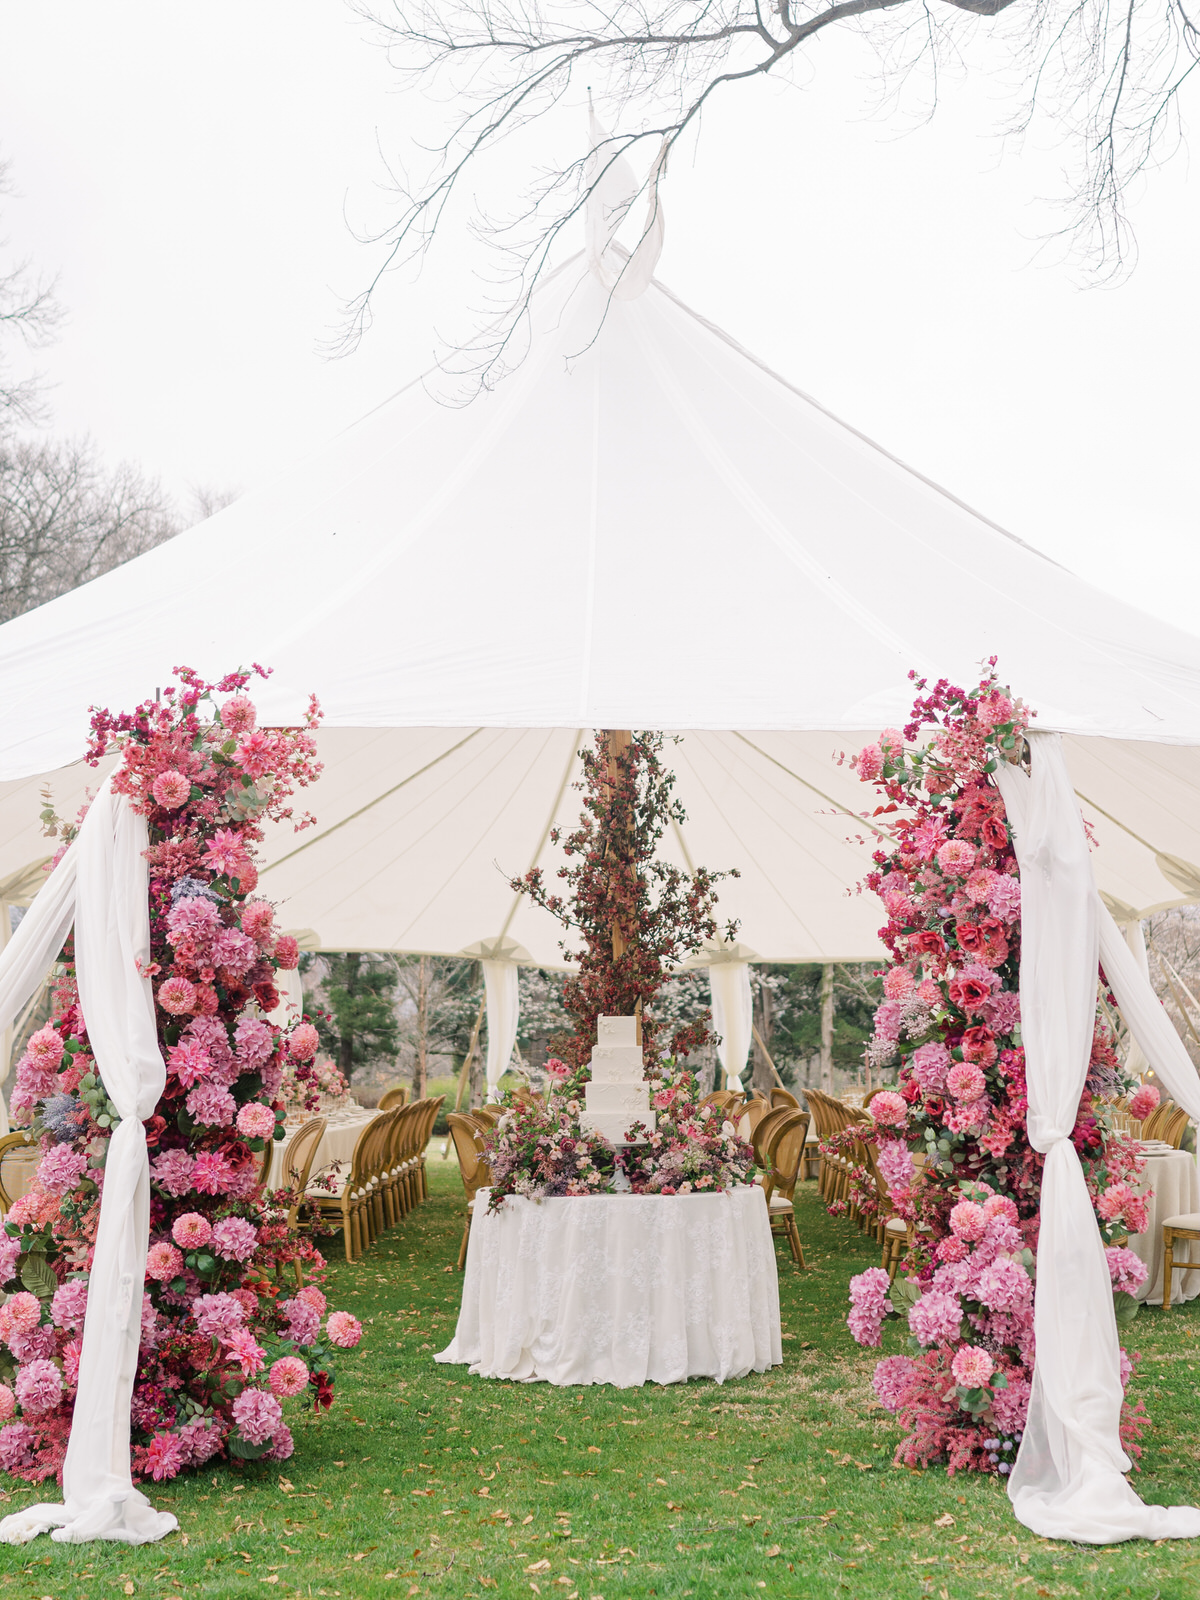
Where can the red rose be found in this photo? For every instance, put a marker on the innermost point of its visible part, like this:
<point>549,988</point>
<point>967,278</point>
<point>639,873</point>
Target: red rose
<point>970,937</point>
<point>910,1089</point>
<point>995,833</point>
<point>979,1046</point>
<point>928,943</point>
<point>267,996</point>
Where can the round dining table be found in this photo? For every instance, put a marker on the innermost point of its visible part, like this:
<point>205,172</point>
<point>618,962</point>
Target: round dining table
<point>1175,1182</point>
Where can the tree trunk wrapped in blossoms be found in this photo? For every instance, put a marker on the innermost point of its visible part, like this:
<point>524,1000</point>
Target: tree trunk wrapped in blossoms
<point>950,1141</point>
<point>222,1346</point>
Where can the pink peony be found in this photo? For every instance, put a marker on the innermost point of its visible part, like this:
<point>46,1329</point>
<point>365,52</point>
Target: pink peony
<point>172,1172</point>
<point>61,1168</point>
<point>257,1414</point>
<point>1114,1201</point>
<point>166,1455</point>
<point>967,1220</point>
<point>1128,1271</point>
<point>177,996</point>
<point>245,1349</point>
<point>163,1262</point>
<point>212,1105</point>
<point>256,1121</point>
<point>898,983</point>
<point>965,1081</point>
<point>888,1110</point>
<point>39,1387</point>
<point>344,1330</point>
<point>303,1041</point>
<point>171,790</point>
<point>69,1303</point>
<point>235,1239</point>
<point>979,883</point>
<point>972,1366</point>
<point>287,953</point>
<point>956,857</point>
<point>937,1316</point>
<point>1143,1101</point>
<point>8,1402</point>
<point>191,1230</point>
<point>557,1069</point>
<point>890,1380</point>
<point>238,715</point>
<point>288,1376</point>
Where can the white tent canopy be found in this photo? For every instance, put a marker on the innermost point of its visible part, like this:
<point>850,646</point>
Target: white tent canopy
<point>642,527</point>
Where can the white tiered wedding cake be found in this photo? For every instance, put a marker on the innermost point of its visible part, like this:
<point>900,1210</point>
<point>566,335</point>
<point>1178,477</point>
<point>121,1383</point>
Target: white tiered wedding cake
<point>618,1094</point>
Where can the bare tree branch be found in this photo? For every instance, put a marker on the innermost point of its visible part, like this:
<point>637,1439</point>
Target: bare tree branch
<point>29,314</point>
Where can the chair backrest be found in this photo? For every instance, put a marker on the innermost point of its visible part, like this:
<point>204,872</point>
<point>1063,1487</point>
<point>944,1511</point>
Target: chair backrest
<point>489,1114</point>
<point>468,1138</point>
<point>401,1133</point>
<point>785,1150</point>
<point>391,1098</point>
<point>719,1097</point>
<point>1174,1127</point>
<point>301,1152</point>
<point>752,1114</point>
<point>1153,1125</point>
<point>19,1157</point>
<point>760,1138</point>
<point>432,1107</point>
<point>820,1106</point>
<point>781,1097</point>
<point>368,1152</point>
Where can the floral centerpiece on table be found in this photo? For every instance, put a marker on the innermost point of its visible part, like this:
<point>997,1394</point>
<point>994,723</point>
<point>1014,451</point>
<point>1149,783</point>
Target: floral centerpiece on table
<point>539,1148</point>
<point>222,1347</point>
<point>692,1150</point>
<point>950,1026</point>
<point>310,1085</point>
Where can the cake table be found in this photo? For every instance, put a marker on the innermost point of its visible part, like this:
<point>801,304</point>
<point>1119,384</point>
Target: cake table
<point>620,1288</point>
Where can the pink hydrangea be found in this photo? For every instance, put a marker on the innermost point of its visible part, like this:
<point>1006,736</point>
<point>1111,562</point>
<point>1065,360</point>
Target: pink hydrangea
<point>965,1081</point>
<point>218,1316</point>
<point>313,1297</point>
<point>254,1042</point>
<point>304,1323</point>
<point>191,1230</point>
<point>895,1164</point>
<point>171,790</point>
<point>287,953</point>
<point>165,1456</point>
<point>345,1330</point>
<point>257,1414</point>
<point>235,1239</point>
<point>967,1220</point>
<point>177,996</point>
<point>238,715</point>
<point>869,763</point>
<point>1003,1012</point>
<point>303,1041</point>
<point>16,1447</point>
<point>1128,1271</point>
<point>61,1168</point>
<point>70,1359</point>
<point>956,857</point>
<point>929,1067</point>
<point>1143,1101</point>
<point>35,1346</point>
<point>201,1439</point>
<point>256,1121</point>
<point>888,1019</point>
<point>245,1349</point>
<point>212,1104</point>
<point>69,1303</point>
<point>972,1366</point>
<point>234,951</point>
<point>1004,1285</point>
<point>172,1172</point>
<point>163,1262</point>
<point>1010,1405</point>
<point>8,1402</point>
<point>282,1444</point>
<point>1004,897</point>
<point>869,1304</point>
<point>898,983</point>
<point>890,1379</point>
<point>10,1254</point>
<point>288,1377</point>
<point>935,1318</point>
<point>888,1110</point>
<point>39,1387</point>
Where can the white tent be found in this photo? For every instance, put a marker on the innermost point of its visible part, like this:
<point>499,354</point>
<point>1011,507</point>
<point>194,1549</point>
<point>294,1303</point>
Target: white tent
<point>642,527</point>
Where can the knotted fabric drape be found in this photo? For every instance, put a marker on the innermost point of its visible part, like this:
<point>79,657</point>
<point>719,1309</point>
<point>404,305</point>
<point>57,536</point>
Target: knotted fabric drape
<point>1068,1481</point>
<point>733,1017</point>
<point>101,886</point>
<point>503,1014</point>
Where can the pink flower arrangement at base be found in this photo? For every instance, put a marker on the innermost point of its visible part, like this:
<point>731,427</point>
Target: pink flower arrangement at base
<point>217,1345</point>
<point>949,1027</point>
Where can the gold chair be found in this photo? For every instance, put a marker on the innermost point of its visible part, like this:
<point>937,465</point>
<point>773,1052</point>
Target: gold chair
<point>19,1157</point>
<point>474,1170</point>
<point>1180,1230</point>
<point>753,1113</point>
<point>391,1098</point>
<point>1173,1127</point>
<point>298,1156</point>
<point>781,1097</point>
<point>423,1136</point>
<point>760,1136</point>
<point>784,1154</point>
<point>346,1204</point>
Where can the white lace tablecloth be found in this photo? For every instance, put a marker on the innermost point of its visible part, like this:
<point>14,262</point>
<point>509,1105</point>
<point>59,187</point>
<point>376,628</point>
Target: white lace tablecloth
<point>1176,1184</point>
<point>621,1289</point>
<point>337,1144</point>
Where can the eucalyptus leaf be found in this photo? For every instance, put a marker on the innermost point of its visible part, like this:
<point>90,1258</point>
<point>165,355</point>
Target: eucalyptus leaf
<point>38,1276</point>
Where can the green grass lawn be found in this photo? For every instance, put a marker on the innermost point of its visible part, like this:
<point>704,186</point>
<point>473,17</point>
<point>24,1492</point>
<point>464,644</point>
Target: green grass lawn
<point>424,1481</point>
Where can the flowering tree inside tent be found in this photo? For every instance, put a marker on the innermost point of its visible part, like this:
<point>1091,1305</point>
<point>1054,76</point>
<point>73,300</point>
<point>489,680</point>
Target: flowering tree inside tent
<point>950,1142</point>
<point>223,1345</point>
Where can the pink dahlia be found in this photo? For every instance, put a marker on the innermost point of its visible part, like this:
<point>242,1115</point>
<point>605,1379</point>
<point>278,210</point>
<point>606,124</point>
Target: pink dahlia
<point>956,857</point>
<point>979,883</point>
<point>177,996</point>
<point>891,1379</point>
<point>344,1330</point>
<point>965,1082</point>
<point>165,1456</point>
<point>235,1239</point>
<point>888,1110</point>
<point>238,715</point>
<point>225,854</point>
<point>211,1172</point>
<point>188,1061</point>
<point>256,1121</point>
<point>1143,1101</point>
<point>288,1377</point>
<point>212,1105</point>
<point>287,953</point>
<point>258,922</point>
<point>898,983</point>
<point>39,1387</point>
<point>245,1349</point>
<point>312,1296</point>
<point>952,1249</point>
<point>163,1262</point>
<point>69,1304</point>
<point>999,1205</point>
<point>303,1041</point>
<point>972,1366</point>
<point>20,1314</point>
<point>967,1220</point>
<point>1114,1201</point>
<point>171,790</point>
<point>172,1172</point>
<point>61,1168</point>
<point>8,1402</point>
<point>191,1230</point>
<point>257,1415</point>
<point>45,1048</point>
<point>937,1316</point>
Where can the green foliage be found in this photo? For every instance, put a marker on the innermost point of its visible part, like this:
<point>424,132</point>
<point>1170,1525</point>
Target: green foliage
<point>796,1011</point>
<point>357,1019</point>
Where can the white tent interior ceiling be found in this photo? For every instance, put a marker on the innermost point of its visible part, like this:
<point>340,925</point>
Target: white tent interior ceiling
<point>642,527</point>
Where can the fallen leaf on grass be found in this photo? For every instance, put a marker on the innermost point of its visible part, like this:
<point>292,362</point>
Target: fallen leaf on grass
<point>944,1522</point>
<point>671,1506</point>
<point>774,1551</point>
<point>423,1491</point>
<point>525,1521</point>
<point>594,1450</point>
<point>663,1481</point>
<point>539,1566</point>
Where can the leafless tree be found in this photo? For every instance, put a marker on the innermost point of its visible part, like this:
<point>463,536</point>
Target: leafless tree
<point>29,315</point>
<point>65,519</point>
<point>1110,76</point>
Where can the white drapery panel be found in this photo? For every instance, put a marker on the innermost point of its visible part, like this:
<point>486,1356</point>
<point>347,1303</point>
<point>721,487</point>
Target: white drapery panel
<point>1136,1060</point>
<point>614,190</point>
<point>733,1017</point>
<point>1068,1480</point>
<point>503,1014</point>
<point>101,885</point>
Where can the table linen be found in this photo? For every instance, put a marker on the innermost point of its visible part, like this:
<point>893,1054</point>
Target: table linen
<point>337,1144</point>
<point>621,1289</point>
<point>1173,1177</point>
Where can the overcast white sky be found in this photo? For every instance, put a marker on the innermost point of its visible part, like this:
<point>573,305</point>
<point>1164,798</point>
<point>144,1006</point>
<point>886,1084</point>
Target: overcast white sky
<point>187,171</point>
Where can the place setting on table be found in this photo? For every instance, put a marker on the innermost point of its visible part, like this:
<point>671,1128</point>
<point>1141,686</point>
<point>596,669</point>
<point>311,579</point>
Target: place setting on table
<point>621,1238</point>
